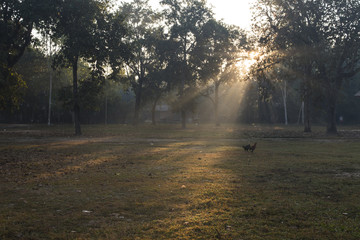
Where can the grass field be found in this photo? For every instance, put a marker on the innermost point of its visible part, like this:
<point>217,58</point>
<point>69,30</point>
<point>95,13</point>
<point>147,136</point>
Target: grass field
<point>122,182</point>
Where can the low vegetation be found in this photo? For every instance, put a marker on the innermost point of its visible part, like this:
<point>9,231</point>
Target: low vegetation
<point>121,182</point>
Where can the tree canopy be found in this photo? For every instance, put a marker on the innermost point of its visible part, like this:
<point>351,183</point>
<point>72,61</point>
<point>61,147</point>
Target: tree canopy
<point>307,56</point>
<point>83,27</point>
<point>319,38</point>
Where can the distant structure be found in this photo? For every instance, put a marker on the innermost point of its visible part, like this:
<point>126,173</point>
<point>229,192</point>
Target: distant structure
<point>163,112</point>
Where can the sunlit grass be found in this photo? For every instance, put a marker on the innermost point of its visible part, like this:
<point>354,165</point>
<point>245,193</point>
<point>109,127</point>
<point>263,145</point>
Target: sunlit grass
<point>154,183</point>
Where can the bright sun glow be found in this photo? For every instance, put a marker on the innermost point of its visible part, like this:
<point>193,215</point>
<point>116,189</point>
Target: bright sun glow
<point>235,12</point>
<point>246,61</point>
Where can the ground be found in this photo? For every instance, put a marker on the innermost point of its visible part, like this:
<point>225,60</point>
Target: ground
<point>122,182</point>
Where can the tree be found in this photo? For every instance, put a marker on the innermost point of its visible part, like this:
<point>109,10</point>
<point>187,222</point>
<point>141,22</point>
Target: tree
<point>185,19</point>
<point>341,52</point>
<point>320,38</point>
<point>84,27</point>
<point>265,90</point>
<point>280,40</point>
<point>217,57</point>
<point>144,27</point>
<point>17,21</point>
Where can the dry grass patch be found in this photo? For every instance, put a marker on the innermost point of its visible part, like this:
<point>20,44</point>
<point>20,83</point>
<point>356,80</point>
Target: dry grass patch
<point>157,186</point>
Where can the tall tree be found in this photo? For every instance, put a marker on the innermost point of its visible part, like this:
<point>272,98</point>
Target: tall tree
<point>321,37</point>
<point>185,19</point>
<point>159,78</point>
<point>144,25</point>
<point>341,52</point>
<point>217,54</point>
<point>156,88</point>
<point>82,27</point>
<point>280,41</point>
<point>265,90</point>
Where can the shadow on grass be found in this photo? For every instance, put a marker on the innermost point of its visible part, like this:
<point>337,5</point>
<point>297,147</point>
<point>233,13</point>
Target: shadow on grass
<point>109,190</point>
<point>178,185</point>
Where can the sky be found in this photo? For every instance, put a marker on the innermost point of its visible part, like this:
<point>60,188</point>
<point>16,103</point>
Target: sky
<point>235,12</point>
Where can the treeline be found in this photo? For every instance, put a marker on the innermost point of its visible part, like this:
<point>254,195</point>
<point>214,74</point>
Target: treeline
<point>315,44</point>
<point>108,103</point>
<point>107,62</point>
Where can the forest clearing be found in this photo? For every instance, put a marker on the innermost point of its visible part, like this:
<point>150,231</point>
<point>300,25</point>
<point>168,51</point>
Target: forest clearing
<point>163,182</point>
<point>167,119</point>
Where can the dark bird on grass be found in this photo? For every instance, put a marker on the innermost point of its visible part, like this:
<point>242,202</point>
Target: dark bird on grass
<point>249,148</point>
<point>252,148</point>
<point>246,147</point>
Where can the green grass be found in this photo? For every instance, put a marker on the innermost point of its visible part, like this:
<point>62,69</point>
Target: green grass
<point>122,182</point>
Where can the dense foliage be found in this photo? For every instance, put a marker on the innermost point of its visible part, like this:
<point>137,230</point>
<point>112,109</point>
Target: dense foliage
<point>315,41</point>
<point>118,63</point>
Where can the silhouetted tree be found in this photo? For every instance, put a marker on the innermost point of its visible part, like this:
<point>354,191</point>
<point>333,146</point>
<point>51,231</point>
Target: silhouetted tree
<point>185,19</point>
<point>320,38</point>
<point>86,30</point>
<point>218,53</point>
<point>144,25</point>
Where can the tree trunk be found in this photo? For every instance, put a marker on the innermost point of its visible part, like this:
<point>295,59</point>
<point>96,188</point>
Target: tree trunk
<point>4,78</point>
<point>76,97</point>
<point>138,101</point>
<point>106,109</point>
<point>50,87</point>
<point>183,119</point>
<point>284,96</point>
<point>307,103</point>
<point>301,114</point>
<point>153,110</point>
<point>137,110</point>
<point>182,87</point>
<point>183,111</point>
<point>334,88</point>
<point>307,114</point>
<point>331,116</point>
<point>216,105</point>
<point>264,111</point>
